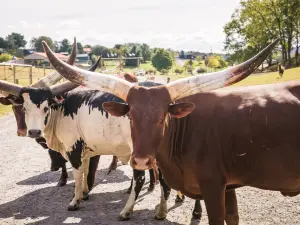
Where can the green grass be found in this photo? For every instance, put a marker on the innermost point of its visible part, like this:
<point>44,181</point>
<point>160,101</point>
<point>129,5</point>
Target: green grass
<point>255,79</point>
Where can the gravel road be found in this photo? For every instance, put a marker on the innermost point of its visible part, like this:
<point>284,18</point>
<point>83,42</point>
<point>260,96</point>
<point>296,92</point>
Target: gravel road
<point>28,193</point>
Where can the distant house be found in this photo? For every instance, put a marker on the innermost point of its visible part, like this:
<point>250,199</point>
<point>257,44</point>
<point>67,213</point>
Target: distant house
<point>87,50</point>
<point>82,59</point>
<point>191,55</point>
<point>22,52</point>
<point>40,58</point>
<point>64,53</point>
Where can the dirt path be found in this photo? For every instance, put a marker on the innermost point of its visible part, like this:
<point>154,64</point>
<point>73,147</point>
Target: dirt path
<point>28,194</point>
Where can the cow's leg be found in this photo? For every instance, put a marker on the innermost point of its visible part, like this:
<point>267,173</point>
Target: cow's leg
<point>113,165</point>
<point>232,214</point>
<point>197,212</point>
<point>152,180</point>
<point>86,190</point>
<point>130,188</point>
<point>137,184</point>
<point>179,197</point>
<point>63,177</point>
<point>214,198</point>
<point>94,161</point>
<point>161,210</point>
<point>78,175</point>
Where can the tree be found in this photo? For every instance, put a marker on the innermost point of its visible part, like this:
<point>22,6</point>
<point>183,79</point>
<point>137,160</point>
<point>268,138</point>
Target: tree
<point>15,41</point>
<point>257,22</point>
<point>146,52</point>
<point>162,60</point>
<point>3,43</point>
<point>64,45</point>
<point>100,50</point>
<point>79,48</point>
<point>87,46</point>
<point>212,62</point>
<point>38,43</point>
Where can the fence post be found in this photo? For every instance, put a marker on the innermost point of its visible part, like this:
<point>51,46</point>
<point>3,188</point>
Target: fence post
<point>44,70</point>
<point>30,75</point>
<point>14,74</point>
<point>17,81</point>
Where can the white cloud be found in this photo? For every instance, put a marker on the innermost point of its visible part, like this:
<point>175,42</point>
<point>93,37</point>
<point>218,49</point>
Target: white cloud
<point>189,24</point>
<point>24,24</point>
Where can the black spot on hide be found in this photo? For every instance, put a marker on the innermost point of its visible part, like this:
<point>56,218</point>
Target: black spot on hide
<point>75,154</point>
<point>37,96</point>
<point>92,98</point>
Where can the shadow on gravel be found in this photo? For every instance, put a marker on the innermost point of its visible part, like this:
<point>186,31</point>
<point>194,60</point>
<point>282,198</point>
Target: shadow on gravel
<point>51,202</point>
<point>116,176</point>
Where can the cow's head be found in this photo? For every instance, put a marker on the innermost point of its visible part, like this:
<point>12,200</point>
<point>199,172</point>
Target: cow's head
<point>17,107</point>
<point>17,102</point>
<point>149,107</point>
<point>36,102</point>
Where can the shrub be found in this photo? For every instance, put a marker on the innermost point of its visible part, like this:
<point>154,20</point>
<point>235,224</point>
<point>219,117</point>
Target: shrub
<point>5,57</point>
<point>178,70</point>
<point>164,71</point>
<point>201,70</point>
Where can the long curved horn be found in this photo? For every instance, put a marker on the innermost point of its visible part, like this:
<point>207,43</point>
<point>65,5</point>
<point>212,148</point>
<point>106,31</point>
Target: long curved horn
<point>68,85</point>
<point>211,81</point>
<point>112,84</point>
<point>10,88</point>
<point>55,77</point>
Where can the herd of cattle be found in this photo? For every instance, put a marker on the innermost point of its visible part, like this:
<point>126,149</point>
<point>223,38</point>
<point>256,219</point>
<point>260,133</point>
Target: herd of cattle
<point>192,134</point>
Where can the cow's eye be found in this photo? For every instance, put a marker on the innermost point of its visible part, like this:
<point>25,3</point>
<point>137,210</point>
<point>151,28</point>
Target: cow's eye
<point>46,109</point>
<point>23,109</point>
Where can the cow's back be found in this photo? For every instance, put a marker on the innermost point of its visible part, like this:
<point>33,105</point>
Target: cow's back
<point>87,121</point>
<point>244,133</point>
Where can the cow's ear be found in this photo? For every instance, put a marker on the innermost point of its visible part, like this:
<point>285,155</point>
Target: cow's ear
<point>180,110</point>
<point>115,108</point>
<point>5,101</point>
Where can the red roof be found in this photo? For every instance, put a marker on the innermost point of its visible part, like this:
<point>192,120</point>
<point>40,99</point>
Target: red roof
<point>87,49</point>
<point>58,55</point>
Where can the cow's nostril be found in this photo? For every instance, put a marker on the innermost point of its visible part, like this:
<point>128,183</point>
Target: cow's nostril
<point>134,162</point>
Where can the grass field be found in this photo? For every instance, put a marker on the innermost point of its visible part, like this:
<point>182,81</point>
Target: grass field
<point>255,79</point>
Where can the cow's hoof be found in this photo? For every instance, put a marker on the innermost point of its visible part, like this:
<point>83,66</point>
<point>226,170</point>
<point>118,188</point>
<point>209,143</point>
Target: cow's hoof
<point>160,212</point>
<point>178,199</point>
<point>125,216</point>
<point>86,196</point>
<point>61,182</point>
<point>197,215</point>
<point>151,188</point>
<point>73,207</point>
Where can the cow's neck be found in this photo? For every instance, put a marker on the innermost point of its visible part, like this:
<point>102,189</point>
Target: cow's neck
<point>50,128</point>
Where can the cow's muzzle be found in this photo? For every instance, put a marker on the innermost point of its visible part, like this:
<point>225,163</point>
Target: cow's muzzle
<point>142,163</point>
<point>34,133</point>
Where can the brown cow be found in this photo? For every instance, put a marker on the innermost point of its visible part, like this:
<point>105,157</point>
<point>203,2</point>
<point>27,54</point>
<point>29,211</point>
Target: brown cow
<point>206,151</point>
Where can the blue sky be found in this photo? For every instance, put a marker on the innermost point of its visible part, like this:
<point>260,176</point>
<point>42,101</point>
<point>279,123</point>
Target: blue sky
<point>187,25</point>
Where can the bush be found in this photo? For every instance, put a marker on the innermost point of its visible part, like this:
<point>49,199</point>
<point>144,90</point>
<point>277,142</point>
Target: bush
<point>178,70</point>
<point>162,60</point>
<point>164,71</point>
<point>5,57</point>
<point>201,70</point>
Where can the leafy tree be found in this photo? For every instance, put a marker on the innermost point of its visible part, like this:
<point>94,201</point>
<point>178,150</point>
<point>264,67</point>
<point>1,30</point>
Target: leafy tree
<point>65,46</point>
<point>100,50</point>
<point>3,43</point>
<point>38,43</point>
<point>146,52</point>
<point>212,62</point>
<point>162,60</point>
<point>87,46</point>
<point>79,48</point>
<point>15,41</point>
